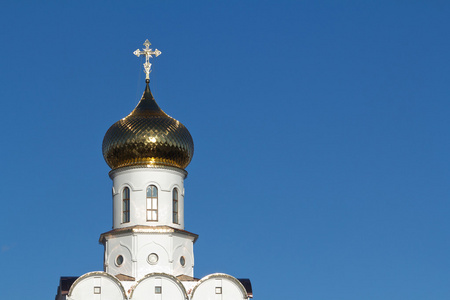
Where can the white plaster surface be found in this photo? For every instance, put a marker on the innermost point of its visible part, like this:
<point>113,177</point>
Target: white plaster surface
<point>137,180</point>
<point>84,287</point>
<point>135,249</point>
<point>172,289</point>
<point>231,288</point>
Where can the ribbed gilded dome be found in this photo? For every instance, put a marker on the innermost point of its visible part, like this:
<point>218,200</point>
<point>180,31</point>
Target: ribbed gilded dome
<point>148,136</point>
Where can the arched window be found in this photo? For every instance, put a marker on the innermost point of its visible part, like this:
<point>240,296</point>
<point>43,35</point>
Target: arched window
<point>152,203</point>
<point>175,205</point>
<point>126,205</point>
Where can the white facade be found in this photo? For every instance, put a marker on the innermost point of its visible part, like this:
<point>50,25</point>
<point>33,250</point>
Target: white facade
<point>146,250</point>
<point>150,238</point>
<point>97,286</point>
<point>219,287</point>
<point>151,259</point>
<point>138,179</point>
<point>156,286</point>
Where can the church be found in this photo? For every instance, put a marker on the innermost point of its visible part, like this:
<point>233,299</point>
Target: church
<point>148,254</point>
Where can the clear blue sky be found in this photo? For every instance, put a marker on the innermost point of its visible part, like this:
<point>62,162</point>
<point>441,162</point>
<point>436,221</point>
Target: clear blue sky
<point>321,129</point>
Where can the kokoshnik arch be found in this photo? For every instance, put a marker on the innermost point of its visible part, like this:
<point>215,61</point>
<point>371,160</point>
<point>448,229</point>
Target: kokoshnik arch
<point>148,254</point>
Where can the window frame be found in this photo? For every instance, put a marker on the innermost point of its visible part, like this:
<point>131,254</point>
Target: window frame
<point>126,205</point>
<point>175,206</point>
<point>151,209</point>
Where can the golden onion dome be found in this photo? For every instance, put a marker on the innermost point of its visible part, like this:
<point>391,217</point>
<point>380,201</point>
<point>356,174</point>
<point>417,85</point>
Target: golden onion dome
<point>148,137</point>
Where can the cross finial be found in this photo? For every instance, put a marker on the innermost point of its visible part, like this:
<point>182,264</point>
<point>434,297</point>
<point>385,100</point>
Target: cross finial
<point>148,53</point>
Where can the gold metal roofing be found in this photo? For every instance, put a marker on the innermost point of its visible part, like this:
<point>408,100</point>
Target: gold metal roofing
<point>148,137</point>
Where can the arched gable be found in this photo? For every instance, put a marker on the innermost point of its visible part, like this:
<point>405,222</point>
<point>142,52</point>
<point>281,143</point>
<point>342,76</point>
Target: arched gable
<point>89,285</point>
<point>207,286</point>
<point>167,285</point>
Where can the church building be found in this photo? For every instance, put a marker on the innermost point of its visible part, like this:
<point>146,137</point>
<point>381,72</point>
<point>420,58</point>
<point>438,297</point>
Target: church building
<point>148,253</point>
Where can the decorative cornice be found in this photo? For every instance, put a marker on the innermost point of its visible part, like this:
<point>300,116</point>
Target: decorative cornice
<point>140,229</point>
<point>146,167</point>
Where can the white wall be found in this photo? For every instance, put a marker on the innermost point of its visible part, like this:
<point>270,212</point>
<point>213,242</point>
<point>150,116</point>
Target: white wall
<point>230,287</point>
<point>171,288</point>
<point>136,248</point>
<point>137,180</point>
<point>84,288</point>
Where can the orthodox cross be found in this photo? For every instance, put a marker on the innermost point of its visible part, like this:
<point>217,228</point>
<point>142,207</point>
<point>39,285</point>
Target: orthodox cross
<point>148,53</point>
